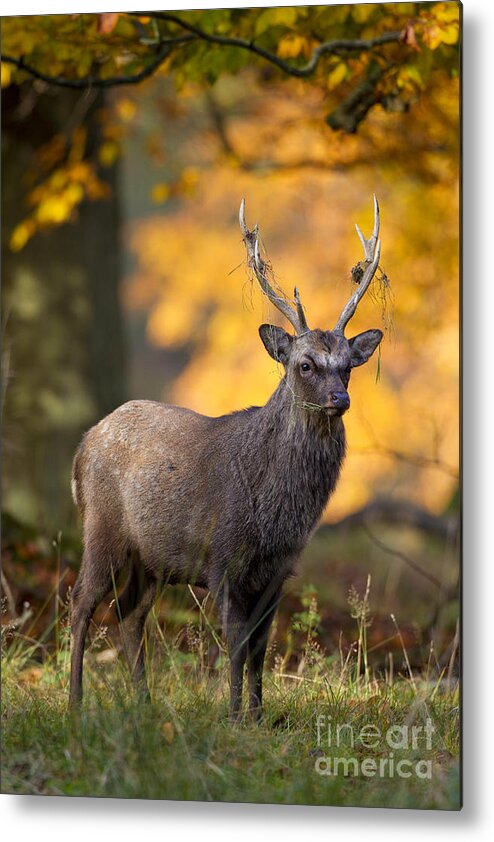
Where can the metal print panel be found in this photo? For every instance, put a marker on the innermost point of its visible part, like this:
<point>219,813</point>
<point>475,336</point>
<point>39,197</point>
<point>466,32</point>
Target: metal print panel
<point>230,247</point>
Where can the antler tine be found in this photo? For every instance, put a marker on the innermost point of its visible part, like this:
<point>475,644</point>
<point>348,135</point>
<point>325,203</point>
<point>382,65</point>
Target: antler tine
<point>260,268</point>
<point>300,312</point>
<point>372,253</point>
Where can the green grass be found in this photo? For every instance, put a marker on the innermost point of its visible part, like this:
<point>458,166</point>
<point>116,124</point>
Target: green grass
<point>181,745</point>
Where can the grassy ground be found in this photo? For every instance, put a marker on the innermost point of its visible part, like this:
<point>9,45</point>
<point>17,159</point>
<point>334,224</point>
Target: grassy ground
<point>181,745</point>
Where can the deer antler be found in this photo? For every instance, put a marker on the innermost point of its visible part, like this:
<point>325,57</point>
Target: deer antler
<point>372,252</point>
<point>261,269</point>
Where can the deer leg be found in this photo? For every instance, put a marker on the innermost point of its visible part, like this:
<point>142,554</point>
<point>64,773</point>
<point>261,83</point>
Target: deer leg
<point>258,640</point>
<point>94,582</point>
<point>134,605</point>
<point>236,632</point>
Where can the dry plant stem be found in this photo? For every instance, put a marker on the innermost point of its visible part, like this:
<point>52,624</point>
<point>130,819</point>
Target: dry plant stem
<point>405,653</point>
<point>361,618</point>
<point>215,637</point>
<point>8,596</point>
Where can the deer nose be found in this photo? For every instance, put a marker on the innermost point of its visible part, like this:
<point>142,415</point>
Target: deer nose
<point>340,400</point>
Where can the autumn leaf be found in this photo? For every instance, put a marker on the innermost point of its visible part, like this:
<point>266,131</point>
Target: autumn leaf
<point>447,12</point>
<point>278,16</point>
<point>409,37</point>
<point>21,234</point>
<point>292,46</point>
<point>107,22</point>
<point>337,75</point>
<point>126,109</point>
<point>108,153</point>
<point>6,74</point>
<point>409,78</point>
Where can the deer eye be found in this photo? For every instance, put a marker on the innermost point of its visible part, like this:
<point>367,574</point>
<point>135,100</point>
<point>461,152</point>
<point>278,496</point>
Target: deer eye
<point>305,367</point>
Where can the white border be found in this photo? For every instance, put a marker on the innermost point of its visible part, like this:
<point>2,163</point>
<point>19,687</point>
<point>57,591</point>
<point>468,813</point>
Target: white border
<point>40,819</point>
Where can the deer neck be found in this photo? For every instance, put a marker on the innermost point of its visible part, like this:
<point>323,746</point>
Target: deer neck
<point>303,446</point>
<point>289,467</point>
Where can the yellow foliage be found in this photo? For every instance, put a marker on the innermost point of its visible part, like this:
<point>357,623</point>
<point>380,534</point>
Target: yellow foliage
<point>21,234</point>
<point>277,16</point>
<point>441,25</point>
<point>292,46</point>
<point>55,200</point>
<point>6,74</point>
<point>447,12</point>
<point>108,153</point>
<point>337,75</point>
<point>408,78</point>
<point>193,281</point>
<point>361,12</point>
<point>126,109</point>
<point>57,208</point>
<point>160,193</point>
<point>435,35</point>
<point>188,180</point>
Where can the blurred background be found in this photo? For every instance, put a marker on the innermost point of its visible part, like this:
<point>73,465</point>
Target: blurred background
<point>124,275</point>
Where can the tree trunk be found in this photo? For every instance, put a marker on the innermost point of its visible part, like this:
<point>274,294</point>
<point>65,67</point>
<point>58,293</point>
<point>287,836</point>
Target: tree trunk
<point>63,333</point>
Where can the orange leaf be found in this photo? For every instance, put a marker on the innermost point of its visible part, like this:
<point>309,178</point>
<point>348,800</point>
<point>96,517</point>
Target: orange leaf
<point>409,38</point>
<point>107,22</point>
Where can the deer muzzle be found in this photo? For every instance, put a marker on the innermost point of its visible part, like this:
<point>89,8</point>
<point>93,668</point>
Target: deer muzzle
<point>338,403</point>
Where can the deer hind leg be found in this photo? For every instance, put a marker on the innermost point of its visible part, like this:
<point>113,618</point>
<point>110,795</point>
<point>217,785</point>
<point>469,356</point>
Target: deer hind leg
<point>95,581</point>
<point>134,604</point>
<point>235,627</point>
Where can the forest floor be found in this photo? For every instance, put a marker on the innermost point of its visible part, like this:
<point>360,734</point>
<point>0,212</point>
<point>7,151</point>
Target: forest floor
<point>334,731</point>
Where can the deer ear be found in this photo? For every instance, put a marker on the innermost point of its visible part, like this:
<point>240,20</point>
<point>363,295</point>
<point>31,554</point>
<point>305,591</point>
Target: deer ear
<point>363,346</point>
<point>277,342</point>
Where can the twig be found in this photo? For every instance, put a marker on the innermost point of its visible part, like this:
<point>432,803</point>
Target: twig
<point>96,81</point>
<point>207,621</point>
<point>9,596</point>
<point>413,459</point>
<point>405,653</point>
<point>406,559</point>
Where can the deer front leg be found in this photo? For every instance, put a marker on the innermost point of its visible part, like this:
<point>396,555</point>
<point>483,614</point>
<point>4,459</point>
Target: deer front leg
<point>258,640</point>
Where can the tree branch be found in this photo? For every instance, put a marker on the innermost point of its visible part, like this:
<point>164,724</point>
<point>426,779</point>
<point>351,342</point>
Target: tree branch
<point>195,34</point>
<point>334,47</point>
<point>358,103</point>
<point>400,512</point>
<point>96,81</point>
<point>403,557</point>
<point>416,459</point>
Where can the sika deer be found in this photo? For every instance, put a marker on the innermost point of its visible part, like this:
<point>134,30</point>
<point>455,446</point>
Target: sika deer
<point>224,503</point>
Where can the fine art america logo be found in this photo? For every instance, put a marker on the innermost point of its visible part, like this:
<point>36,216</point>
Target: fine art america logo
<point>380,752</point>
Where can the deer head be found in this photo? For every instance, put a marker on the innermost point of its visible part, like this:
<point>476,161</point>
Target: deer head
<point>318,363</point>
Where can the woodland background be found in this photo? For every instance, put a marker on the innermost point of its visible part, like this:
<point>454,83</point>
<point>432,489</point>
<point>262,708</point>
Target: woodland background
<point>127,143</point>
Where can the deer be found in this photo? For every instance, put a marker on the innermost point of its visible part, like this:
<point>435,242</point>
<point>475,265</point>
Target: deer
<point>223,503</point>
